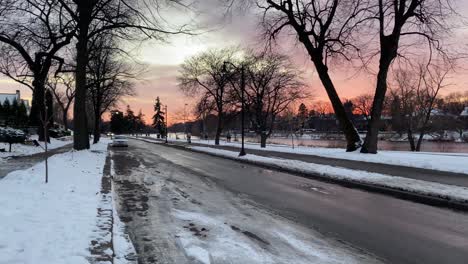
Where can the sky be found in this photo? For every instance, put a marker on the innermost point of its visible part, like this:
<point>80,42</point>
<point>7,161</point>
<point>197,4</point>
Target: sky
<point>161,60</point>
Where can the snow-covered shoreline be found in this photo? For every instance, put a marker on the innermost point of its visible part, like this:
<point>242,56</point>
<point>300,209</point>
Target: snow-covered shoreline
<point>444,191</point>
<point>54,222</point>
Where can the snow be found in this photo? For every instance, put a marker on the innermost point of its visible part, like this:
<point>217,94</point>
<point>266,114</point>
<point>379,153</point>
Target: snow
<point>22,149</point>
<point>445,191</point>
<point>122,244</point>
<point>51,223</point>
<point>452,162</point>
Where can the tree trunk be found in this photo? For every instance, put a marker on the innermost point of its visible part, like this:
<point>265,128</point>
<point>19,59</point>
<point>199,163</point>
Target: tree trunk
<point>352,136</point>
<point>411,140</point>
<point>97,128</point>
<point>389,48</point>
<point>38,107</point>
<point>65,118</point>
<point>219,128</point>
<point>263,139</point>
<point>80,122</point>
<point>420,139</point>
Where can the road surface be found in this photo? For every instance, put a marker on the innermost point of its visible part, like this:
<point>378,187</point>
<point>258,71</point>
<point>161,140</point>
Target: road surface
<point>443,177</point>
<point>381,227</point>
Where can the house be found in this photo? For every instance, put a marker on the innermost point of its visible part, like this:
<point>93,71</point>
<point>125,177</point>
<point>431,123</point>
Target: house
<point>12,97</point>
<point>464,113</point>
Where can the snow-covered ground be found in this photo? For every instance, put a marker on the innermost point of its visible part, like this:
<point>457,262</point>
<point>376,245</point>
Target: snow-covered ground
<point>453,162</point>
<point>52,223</point>
<point>450,192</point>
<point>22,150</point>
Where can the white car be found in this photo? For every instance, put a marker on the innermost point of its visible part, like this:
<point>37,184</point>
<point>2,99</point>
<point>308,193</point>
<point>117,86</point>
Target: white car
<point>120,141</point>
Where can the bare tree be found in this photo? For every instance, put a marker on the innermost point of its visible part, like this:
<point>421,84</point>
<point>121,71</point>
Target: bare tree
<point>32,34</point>
<point>414,19</point>
<point>109,79</point>
<point>325,28</point>
<point>125,19</point>
<point>63,89</point>
<point>418,91</point>
<point>363,105</point>
<point>205,74</point>
<point>273,84</point>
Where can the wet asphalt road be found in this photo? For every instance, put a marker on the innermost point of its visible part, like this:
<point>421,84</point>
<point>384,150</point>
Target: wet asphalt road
<point>395,230</point>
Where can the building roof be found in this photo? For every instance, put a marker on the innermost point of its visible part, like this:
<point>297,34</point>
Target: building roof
<point>464,112</point>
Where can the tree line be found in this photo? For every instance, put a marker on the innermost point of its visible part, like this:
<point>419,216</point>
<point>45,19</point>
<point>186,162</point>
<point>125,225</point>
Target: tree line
<point>221,79</point>
<point>73,48</point>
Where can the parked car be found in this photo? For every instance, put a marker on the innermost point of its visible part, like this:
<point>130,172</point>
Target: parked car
<point>120,141</point>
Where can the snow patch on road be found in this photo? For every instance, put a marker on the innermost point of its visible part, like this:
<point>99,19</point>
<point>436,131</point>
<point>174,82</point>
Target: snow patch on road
<point>51,223</point>
<point>281,241</point>
<point>445,191</point>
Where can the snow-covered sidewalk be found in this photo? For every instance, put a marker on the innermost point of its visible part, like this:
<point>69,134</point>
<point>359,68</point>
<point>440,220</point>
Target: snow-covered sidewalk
<point>451,162</point>
<point>448,192</point>
<point>23,150</point>
<point>52,223</point>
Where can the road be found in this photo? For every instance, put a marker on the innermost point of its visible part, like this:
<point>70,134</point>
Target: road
<point>393,230</point>
<point>443,177</point>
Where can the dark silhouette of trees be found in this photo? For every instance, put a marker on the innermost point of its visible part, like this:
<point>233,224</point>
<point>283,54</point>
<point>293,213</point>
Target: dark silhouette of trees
<point>30,46</point>
<point>302,115</point>
<point>63,89</point>
<point>205,74</point>
<point>159,119</point>
<point>124,19</point>
<point>272,85</point>
<point>417,90</point>
<point>325,28</point>
<point>109,79</point>
<point>425,20</point>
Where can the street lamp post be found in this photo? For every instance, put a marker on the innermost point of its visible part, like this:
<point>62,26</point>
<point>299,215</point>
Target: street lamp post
<point>167,131</point>
<point>242,152</point>
<point>242,84</point>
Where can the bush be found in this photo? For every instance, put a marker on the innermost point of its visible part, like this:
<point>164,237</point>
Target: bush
<point>11,136</point>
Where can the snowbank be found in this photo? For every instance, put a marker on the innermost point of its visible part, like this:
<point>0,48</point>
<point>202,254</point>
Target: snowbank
<point>450,192</point>
<point>22,150</point>
<point>453,162</point>
<point>51,223</point>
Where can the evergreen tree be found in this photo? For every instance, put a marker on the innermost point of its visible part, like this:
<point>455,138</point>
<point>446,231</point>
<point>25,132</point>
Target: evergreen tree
<point>118,123</point>
<point>302,115</point>
<point>159,119</point>
<point>131,120</point>
<point>2,114</point>
<point>7,111</point>
<point>13,117</point>
<point>22,114</point>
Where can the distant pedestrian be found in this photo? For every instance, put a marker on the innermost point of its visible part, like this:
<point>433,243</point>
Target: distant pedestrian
<point>228,137</point>
<point>189,137</point>
<point>206,136</point>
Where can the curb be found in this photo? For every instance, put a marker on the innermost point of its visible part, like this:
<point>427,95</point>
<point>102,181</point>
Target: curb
<point>443,202</point>
<point>102,248</point>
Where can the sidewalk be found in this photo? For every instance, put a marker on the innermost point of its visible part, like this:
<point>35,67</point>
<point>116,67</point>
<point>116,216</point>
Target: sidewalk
<point>13,163</point>
<point>443,177</point>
